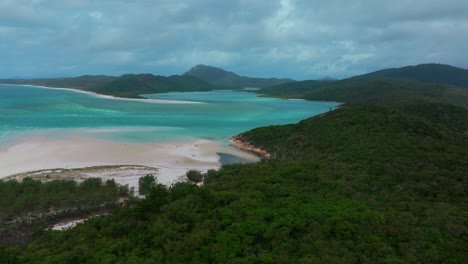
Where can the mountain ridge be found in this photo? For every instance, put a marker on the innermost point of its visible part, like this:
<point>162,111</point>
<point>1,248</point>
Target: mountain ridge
<point>220,76</point>
<point>427,82</point>
<point>428,72</point>
<point>134,85</point>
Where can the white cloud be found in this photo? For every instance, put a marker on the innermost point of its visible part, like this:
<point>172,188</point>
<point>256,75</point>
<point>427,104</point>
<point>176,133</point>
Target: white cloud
<point>95,14</point>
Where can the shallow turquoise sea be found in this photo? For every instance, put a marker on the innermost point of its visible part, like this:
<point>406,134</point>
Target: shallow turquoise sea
<point>26,111</point>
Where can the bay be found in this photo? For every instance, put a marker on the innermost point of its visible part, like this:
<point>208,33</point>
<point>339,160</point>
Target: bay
<point>218,115</point>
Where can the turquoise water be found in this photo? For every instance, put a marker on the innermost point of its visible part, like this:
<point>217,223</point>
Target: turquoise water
<point>220,115</point>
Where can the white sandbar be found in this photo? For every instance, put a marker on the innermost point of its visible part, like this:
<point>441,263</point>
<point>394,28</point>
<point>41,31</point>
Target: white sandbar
<point>142,100</point>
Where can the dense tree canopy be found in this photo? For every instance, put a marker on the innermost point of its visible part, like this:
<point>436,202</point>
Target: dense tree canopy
<point>381,180</point>
<point>374,184</point>
<point>31,204</point>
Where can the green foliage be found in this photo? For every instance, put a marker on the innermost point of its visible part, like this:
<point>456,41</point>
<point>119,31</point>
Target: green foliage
<point>31,203</point>
<point>367,184</point>
<point>131,85</point>
<point>427,82</point>
<point>431,73</point>
<point>194,176</point>
<point>382,182</point>
<point>387,91</point>
<point>146,184</point>
<point>128,85</point>
<point>363,91</point>
<point>7,257</point>
<point>294,89</point>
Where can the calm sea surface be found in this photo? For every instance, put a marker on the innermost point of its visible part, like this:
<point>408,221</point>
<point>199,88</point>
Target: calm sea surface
<point>26,111</point>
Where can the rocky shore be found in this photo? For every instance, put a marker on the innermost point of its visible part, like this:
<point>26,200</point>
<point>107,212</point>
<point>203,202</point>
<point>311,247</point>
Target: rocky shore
<point>241,143</point>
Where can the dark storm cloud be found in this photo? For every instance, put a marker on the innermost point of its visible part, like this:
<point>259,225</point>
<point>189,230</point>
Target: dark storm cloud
<point>285,38</point>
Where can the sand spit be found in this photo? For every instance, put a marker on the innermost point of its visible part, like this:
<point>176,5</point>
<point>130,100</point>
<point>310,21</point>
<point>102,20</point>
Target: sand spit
<point>142,100</point>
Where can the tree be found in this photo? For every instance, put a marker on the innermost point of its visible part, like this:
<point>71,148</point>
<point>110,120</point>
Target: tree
<point>146,184</point>
<point>194,176</point>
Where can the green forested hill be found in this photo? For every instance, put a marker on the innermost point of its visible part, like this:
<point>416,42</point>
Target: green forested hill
<point>387,91</point>
<point>369,184</point>
<point>382,180</point>
<point>133,85</point>
<point>128,85</point>
<point>431,73</point>
<point>426,82</point>
<point>294,89</point>
<point>369,130</point>
<point>357,91</point>
<point>219,76</point>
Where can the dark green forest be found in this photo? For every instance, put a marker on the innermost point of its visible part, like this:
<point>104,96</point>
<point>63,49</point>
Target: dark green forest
<point>371,91</point>
<point>31,205</point>
<point>382,179</point>
<point>425,82</point>
<point>127,86</point>
<point>369,184</point>
<point>134,85</point>
<point>430,72</point>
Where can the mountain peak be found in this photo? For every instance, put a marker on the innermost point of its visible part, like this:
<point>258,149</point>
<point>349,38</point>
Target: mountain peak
<point>220,76</point>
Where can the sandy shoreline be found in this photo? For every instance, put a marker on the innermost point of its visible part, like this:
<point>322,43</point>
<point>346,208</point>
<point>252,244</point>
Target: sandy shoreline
<point>75,149</point>
<point>172,160</point>
<point>240,143</point>
<point>142,100</point>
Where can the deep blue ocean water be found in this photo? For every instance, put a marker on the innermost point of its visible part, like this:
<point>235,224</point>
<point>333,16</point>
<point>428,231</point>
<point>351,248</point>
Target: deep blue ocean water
<point>25,111</point>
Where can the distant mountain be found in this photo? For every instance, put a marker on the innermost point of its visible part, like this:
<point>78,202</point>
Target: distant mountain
<point>387,91</point>
<point>327,78</point>
<point>133,85</point>
<point>426,82</point>
<point>221,77</point>
<point>128,85</point>
<point>294,89</point>
<point>432,73</point>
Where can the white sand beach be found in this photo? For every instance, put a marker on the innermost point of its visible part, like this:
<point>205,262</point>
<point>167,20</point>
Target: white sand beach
<point>172,160</point>
<point>142,100</point>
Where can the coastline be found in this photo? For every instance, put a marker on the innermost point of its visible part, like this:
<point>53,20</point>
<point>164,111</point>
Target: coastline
<point>239,142</point>
<point>168,161</point>
<point>104,96</point>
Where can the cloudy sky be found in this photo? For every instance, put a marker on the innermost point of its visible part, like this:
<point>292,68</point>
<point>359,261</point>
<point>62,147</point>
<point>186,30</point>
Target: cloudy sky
<point>301,39</point>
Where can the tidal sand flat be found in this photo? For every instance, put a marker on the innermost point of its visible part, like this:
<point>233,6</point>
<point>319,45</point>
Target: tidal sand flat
<point>60,128</point>
<point>172,159</point>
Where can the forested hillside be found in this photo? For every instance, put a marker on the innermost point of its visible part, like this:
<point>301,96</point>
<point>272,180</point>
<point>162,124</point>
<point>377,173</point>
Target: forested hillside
<point>426,82</point>
<point>431,73</point>
<point>294,89</point>
<point>30,205</point>
<point>381,180</point>
<point>387,91</point>
<point>370,184</point>
<point>132,85</point>
<point>219,76</point>
<point>128,85</point>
